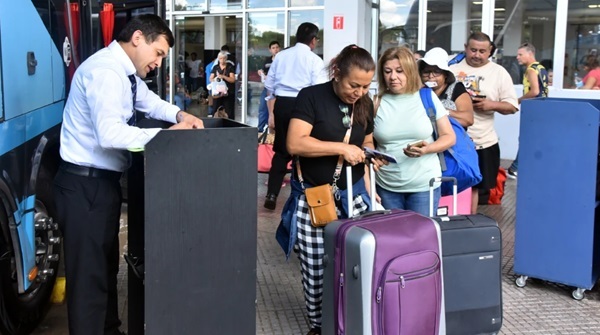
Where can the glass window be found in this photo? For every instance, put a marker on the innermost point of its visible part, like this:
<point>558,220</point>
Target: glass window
<point>449,23</point>
<point>1,87</point>
<point>217,5</point>
<point>582,40</point>
<point>265,3</point>
<point>182,5</point>
<point>299,3</point>
<point>398,24</point>
<point>518,22</point>
<point>314,16</point>
<point>262,29</point>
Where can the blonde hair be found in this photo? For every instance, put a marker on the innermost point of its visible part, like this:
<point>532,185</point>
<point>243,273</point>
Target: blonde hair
<point>408,65</point>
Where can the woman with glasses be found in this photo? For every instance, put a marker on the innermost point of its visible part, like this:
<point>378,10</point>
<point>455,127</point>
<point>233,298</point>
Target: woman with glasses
<point>436,74</point>
<point>324,115</point>
<point>403,130</point>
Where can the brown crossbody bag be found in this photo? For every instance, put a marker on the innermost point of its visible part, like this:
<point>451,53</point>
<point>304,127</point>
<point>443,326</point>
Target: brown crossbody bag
<point>320,199</point>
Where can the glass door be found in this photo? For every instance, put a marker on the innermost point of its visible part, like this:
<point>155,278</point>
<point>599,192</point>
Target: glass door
<point>263,30</point>
<point>198,41</point>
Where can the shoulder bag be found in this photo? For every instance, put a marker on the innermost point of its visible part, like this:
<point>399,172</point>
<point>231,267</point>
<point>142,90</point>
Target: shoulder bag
<point>320,199</point>
<point>459,161</point>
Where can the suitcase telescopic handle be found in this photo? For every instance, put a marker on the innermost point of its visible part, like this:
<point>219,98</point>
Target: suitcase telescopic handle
<point>350,197</point>
<point>432,181</point>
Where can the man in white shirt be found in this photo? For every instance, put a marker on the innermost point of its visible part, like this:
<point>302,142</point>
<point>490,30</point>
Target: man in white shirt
<point>196,72</point>
<point>492,91</point>
<point>292,70</point>
<point>97,129</point>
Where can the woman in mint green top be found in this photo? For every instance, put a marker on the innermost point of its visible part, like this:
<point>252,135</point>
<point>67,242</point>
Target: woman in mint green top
<point>403,130</point>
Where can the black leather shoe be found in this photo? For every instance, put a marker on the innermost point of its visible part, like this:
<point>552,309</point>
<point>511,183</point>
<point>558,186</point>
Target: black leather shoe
<point>271,201</point>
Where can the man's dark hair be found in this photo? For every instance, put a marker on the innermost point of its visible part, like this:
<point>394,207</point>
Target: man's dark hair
<point>225,47</point>
<point>151,26</point>
<point>306,32</point>
<point>420,53</point>
<point>482,37</point>
<point>273,43</point>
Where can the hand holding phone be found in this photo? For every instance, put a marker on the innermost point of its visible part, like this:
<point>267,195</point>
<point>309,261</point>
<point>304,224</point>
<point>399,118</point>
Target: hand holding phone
<point>372,153</point>
<point>417,144</point>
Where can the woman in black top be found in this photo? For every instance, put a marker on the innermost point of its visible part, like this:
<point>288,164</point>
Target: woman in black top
<point>436,74</point>
<point>321,119</point>
<point>226,72</point>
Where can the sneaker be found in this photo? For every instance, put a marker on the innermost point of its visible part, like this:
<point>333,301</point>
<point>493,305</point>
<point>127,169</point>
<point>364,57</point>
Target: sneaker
<point>512,174</point>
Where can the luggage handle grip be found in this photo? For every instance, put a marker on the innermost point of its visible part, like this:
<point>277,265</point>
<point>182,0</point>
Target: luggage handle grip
<point>454,193</point>
<point>442,180</point>
<point>350,191</point>
<point>369,214</point>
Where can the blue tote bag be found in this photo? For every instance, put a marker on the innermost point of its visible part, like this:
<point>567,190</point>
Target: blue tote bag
<point>459,161</point>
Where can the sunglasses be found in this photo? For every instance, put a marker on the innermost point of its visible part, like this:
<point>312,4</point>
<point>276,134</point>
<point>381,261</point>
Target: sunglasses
<point>345,118</point>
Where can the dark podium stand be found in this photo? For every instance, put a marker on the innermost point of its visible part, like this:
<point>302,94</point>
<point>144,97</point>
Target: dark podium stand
<point>192,219</point>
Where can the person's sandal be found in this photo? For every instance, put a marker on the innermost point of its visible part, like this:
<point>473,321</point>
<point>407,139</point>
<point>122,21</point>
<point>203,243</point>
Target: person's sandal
<point>314,331</point>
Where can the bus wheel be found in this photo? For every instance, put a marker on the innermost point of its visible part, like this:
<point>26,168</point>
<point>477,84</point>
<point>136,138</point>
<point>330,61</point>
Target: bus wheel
<point>20,313</point>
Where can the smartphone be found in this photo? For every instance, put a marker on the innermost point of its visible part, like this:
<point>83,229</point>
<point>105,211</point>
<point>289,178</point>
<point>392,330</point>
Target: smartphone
<point>479,96</point>
<point>372,153</point>
<point>417,144</point>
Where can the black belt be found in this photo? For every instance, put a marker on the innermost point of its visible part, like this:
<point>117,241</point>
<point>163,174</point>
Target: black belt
<point>91,172</point>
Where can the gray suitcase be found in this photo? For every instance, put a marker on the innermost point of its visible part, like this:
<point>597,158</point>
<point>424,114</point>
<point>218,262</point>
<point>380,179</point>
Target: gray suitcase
<point>472,258</point>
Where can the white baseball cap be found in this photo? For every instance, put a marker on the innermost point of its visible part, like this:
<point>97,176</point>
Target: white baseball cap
<point>437,57</point>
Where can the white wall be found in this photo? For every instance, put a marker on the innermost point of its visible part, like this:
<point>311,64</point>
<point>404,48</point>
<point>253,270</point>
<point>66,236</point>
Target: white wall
<point>357,26</point>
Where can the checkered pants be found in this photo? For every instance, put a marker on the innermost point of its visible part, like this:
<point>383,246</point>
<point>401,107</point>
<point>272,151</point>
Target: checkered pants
<point>309,247</point>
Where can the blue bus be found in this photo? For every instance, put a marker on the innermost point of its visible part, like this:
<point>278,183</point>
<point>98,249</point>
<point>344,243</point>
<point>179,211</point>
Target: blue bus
<point>41,45</point>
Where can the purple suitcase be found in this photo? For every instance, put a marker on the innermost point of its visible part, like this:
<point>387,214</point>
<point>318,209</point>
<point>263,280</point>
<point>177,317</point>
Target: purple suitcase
<point>383,275</point>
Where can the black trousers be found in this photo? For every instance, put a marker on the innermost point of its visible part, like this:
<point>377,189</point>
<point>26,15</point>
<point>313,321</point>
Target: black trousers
<point>88,210</point>
<point>228,102</point>
<point>283,111</point>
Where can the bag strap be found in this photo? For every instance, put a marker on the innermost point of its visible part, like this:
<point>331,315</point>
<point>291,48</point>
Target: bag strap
<point>543,86</point>
<point>338,168</point>
<point>263,137</point>
<point>425,94</point>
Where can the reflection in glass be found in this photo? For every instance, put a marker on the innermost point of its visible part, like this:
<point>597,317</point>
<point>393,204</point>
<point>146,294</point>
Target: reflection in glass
<point>449,23</point>
<point>531,21</point>
<point>265,3</point>
<point>216,5</point>
<point>262,29</point>
<point>398,24</point>
<point>198,5</point>
<point>298,3</point>
<point>583,39</point>
<point>313,16</point>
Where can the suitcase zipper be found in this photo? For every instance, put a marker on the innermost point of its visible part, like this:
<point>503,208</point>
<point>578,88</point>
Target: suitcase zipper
<point>415,274</point>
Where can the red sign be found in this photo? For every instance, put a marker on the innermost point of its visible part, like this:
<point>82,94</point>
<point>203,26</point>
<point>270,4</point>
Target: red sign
<point>338,22</point>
